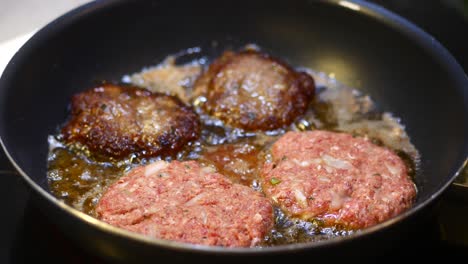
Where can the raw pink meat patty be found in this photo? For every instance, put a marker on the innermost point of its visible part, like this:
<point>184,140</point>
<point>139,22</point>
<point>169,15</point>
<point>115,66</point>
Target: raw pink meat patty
<point>337,178</point>
<point>185,202</point>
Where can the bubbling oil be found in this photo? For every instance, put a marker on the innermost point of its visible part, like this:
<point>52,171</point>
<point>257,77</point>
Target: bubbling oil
<point>79,180</point>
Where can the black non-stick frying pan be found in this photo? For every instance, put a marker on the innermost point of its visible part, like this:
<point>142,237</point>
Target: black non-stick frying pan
<point>406,71</point>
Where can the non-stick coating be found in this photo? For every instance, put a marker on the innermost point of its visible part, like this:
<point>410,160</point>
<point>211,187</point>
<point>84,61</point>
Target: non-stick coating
<point>403,69</point>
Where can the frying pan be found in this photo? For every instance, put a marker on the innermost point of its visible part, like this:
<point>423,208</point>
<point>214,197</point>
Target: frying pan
<point>406,71</point>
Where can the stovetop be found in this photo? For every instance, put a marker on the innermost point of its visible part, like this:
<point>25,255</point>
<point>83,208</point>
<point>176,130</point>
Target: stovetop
<point>27,235</point>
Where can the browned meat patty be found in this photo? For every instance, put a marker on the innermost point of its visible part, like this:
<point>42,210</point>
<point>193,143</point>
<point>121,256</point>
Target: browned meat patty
<point>337,178</point>
<point>186,202</point>
<point>253,91</point>
<point>117,121</point>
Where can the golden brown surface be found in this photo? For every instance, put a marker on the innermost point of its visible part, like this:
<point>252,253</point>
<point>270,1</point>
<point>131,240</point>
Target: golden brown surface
<point>254,91</point>
<point>80,179</point>
<point>119,121</point>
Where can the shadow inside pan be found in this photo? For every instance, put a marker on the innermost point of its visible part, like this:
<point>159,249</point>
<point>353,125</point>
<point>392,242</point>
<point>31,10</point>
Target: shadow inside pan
<point>403,70</point>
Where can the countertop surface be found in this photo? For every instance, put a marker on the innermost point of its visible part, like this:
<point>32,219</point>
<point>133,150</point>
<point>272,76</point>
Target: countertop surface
<point>27,235</point>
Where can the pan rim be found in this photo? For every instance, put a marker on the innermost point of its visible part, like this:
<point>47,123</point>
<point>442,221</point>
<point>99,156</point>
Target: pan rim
<point>364,8</point>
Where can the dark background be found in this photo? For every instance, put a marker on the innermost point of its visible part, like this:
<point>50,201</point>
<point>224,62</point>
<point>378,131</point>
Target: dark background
<point>26,236</point>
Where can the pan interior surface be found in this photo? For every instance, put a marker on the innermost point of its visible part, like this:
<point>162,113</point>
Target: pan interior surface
<point>405,71</point>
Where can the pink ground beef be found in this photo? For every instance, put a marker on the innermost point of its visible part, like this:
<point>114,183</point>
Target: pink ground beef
<point>185,202</point>
<point>337,178</point>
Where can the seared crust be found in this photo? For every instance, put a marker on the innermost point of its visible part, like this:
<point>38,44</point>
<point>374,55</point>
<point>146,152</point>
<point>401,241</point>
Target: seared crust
<point>117,121</point>
<point>254,91</point>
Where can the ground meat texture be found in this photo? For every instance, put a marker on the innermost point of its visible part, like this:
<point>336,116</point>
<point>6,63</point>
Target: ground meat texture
<point>336,178</point>
<point>117,121</point>
<point>253,91</point>
<point>186,202</point>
